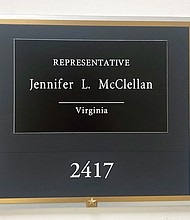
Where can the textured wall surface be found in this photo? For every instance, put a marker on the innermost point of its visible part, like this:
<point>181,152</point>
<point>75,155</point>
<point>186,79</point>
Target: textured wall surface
<point>98,7</point>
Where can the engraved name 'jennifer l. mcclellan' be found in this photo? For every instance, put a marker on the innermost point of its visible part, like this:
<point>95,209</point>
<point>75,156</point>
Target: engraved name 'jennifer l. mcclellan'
<point>103,84</point>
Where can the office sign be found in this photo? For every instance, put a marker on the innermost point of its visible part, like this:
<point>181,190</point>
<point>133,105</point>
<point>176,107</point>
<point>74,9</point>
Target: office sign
<point>90,85</point>
<point>94,110</point>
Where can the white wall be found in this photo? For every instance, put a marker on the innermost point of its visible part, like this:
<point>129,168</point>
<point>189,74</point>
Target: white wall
<point>129,211</point>
<point>59,212</point>
<point>97,7</point>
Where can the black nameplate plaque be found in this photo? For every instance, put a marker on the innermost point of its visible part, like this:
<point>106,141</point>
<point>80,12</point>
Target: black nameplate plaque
<point>95,110</point>
<point>90,86</point>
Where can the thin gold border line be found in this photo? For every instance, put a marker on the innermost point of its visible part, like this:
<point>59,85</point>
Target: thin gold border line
<point>99,199</point>
<point>93,22</point>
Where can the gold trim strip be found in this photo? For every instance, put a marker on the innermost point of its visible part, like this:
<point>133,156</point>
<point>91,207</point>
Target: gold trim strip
<point>98,199</point>
<point>92,22</point>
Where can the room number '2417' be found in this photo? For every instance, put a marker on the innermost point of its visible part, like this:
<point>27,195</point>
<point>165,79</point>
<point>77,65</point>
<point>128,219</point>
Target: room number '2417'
<point>92,170</point>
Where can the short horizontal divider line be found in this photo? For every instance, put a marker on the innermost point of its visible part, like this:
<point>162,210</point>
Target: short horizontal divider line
<point>91,102</point>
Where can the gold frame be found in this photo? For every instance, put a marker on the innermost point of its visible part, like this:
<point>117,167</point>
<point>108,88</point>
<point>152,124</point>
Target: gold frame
<point>96,199</point>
